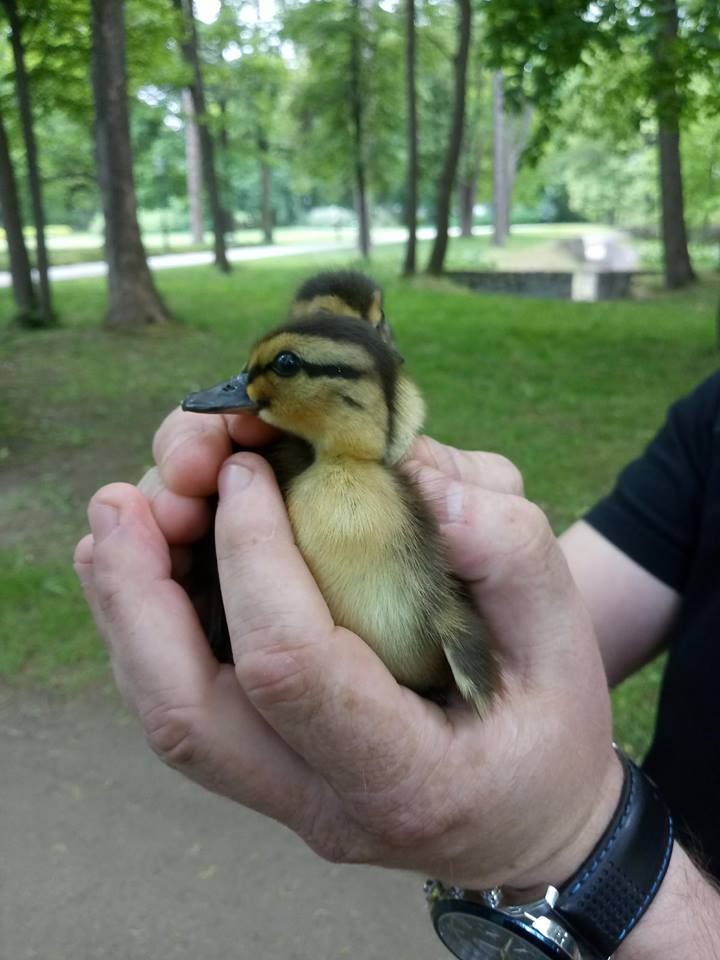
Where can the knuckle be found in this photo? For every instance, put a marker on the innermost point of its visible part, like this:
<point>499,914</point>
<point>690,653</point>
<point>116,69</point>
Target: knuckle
<point>527,528</point>
<point>109,595</point>
<point>171,734</point>
<point>276,676</point>
<point>334,842</point>
<point>511,476</point>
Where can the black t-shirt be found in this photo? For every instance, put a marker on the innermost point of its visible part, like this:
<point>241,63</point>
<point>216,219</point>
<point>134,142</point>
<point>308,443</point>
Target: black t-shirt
<point>665,513</point>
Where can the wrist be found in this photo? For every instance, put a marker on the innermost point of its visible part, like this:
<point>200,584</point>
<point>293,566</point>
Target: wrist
<point>578,831</point>
<point>592,912</point>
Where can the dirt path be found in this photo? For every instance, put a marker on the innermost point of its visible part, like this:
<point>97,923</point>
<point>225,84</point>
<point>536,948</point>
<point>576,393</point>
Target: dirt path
<point>106,853</point>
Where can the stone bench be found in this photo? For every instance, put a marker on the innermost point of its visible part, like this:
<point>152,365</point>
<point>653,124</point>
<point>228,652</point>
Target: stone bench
<point>587,285</point>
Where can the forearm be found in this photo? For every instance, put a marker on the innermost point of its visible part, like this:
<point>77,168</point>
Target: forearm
<point>631,610</point>
<point>682,921</point>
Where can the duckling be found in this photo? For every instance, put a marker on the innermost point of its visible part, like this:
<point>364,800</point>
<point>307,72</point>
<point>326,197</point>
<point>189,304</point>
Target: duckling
<point>344,293</point>
<point>364,531</point>
<point>348,293</point>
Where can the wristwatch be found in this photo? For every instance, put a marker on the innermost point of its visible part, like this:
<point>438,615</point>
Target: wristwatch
<point>590,915</point>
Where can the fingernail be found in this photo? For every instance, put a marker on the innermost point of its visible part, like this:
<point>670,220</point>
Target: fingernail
<point>103,519</point>
<point>233,479</point>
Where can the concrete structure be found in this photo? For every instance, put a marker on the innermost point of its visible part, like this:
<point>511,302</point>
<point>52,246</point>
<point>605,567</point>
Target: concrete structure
<point>586,285</point>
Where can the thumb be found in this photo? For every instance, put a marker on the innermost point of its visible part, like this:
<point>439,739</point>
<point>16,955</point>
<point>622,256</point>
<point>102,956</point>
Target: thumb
<point>267,588</point>
<point>502,546</point>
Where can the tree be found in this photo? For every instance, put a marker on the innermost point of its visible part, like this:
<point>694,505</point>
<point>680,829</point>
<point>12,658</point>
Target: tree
<point>447,177</point>
<point>266,214</point>
<point>668,102</point>
<point>651,56</point>
<point>510,132</point>
<point>412,140</point>
<point>501,193</point>
<point>22,87</point>
<point>357,111</point>
<point>133,300</point>
<point>189,46</point>
<point>330,152</point>
<point>470,164</point>
<point>22,286</point>
<point>193,162</point>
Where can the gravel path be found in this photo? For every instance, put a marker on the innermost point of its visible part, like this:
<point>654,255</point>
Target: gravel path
<point>171,261</point>
<point>105,853</point>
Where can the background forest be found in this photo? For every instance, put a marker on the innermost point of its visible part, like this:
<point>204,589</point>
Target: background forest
<point>247,118</point>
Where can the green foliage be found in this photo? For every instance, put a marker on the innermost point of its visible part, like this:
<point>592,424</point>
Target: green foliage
<point>322,32</point>
<point>278,94</point>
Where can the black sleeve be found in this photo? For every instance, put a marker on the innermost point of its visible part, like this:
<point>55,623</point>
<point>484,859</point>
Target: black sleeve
<point>653,514</point>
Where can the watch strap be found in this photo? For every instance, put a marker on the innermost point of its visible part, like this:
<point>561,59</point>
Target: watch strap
<point>611,891</point>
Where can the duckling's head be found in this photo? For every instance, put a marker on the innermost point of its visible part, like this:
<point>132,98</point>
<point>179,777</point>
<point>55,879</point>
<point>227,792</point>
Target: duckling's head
<point>328,379</point>
<point>345,293</point>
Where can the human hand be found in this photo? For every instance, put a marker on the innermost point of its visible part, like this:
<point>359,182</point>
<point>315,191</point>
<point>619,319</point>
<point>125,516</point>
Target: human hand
<point>310,728</point>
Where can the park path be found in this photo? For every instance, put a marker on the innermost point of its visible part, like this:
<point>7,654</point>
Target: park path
<point>170,261</point>
<point>596,241</point>
<point>106,853</point>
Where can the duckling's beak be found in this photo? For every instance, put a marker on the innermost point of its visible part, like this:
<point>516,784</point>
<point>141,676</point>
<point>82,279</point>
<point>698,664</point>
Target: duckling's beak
<point>228,397</point>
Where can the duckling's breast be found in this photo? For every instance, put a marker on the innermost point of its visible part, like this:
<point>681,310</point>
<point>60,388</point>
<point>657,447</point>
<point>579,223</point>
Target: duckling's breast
<point>366,551</point>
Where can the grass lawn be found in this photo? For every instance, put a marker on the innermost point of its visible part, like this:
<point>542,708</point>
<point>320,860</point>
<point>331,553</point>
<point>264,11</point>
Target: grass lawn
<point>569,391</point>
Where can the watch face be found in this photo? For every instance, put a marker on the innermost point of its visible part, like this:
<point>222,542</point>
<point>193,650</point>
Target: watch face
<point>474,932</point>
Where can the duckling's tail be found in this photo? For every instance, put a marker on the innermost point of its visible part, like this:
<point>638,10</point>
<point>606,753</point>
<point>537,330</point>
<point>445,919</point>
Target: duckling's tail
<point>474,684</point>
<point>474,666</point>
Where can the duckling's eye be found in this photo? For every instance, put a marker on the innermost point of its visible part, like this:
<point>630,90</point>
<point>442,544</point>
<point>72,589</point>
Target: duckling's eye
<point>286,364</point>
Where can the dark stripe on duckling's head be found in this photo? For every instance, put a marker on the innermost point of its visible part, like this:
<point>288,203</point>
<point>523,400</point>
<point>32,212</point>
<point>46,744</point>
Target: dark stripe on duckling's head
<point>333,370</point>
<point>341,329</point>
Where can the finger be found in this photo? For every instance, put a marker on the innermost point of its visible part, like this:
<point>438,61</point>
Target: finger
<point>194,714</point>
<point>182,519</point>
<point>489,470</point>
<point>321,687</point>
<point>82,561</point>
<point>189,448</point>
<point>503,548</point>
<point>250,431</point>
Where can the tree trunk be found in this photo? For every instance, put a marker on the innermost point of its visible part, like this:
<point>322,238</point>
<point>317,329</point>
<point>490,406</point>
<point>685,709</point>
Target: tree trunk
<point>471,152</point>
<point>189,46</point>
<point>22,89</point>
<point>467,191</point>
<point>678,268</point>
<point>265,188</point>
<point>468,179</point>
<point>515,139</point>
<point>410,264</point>
<point>452,155</point>
<point>133,300</point>
<point>22,287</point>
<point>501,202</point>
<point>193,168</point>
<point>361,201</point>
